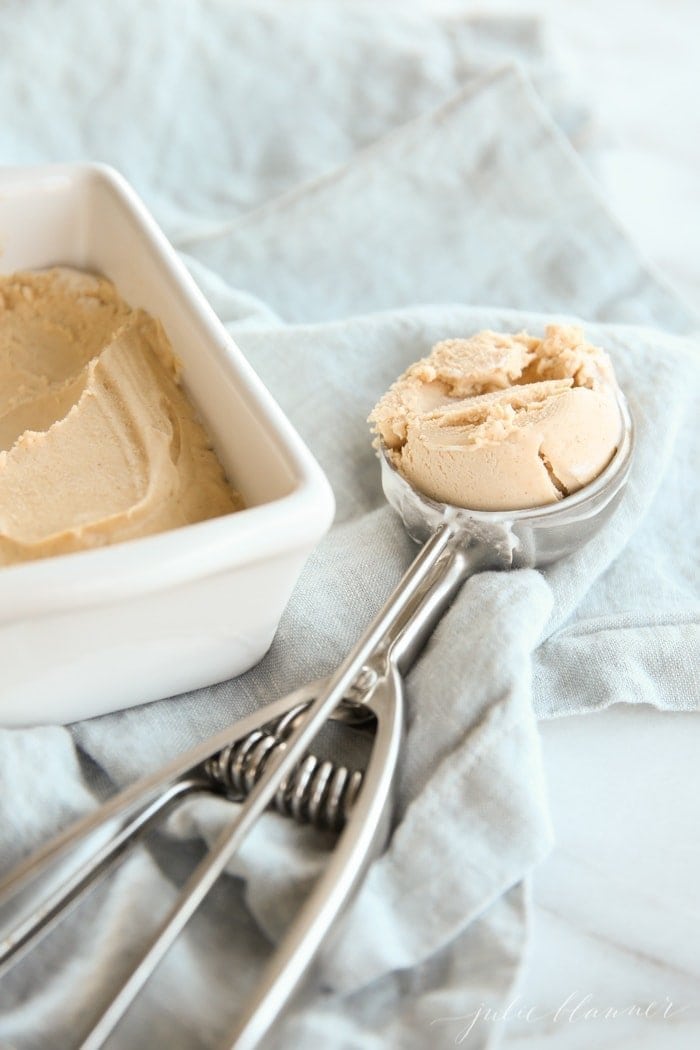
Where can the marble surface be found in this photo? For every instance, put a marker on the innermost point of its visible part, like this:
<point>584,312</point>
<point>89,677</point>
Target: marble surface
<point>615,954</point>
<point>614,961</point>
<point>614,958</point>
<point>633,64</point>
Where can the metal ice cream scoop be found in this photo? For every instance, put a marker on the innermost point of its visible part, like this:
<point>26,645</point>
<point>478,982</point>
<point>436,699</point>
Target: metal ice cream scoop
<point>264,760</point>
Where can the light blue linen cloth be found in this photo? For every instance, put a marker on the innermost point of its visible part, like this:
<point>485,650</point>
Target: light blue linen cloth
<point>479,202</point>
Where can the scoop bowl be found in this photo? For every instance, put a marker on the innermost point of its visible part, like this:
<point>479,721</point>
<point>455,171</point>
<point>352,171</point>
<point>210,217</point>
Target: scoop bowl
<point>534,537</point>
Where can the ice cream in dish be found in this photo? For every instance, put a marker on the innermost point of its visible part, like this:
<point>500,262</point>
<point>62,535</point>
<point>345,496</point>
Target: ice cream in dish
<point>503,422</point>
<point>98,441</point>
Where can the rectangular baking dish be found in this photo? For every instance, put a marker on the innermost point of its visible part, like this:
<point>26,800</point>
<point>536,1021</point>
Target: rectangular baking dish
<point>99,630</point>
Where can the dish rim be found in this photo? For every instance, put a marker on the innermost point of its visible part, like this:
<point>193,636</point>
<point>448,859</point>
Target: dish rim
<point>146,564</point>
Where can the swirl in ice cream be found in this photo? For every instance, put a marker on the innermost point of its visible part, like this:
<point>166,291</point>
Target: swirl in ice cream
<point>98,441</point>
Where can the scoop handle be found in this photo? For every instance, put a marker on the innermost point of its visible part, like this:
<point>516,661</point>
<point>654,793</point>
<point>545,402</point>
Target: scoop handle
<point>376,642</point>
<point>453,561</point>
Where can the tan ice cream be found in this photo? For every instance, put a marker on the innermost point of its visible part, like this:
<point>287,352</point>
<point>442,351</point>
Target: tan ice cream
<point>98,442</point>
<point>503,422</point>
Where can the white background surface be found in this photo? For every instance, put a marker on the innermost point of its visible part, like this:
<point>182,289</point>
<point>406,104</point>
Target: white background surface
<point>614,961</point>
<point>636,64</point>
<point>617,907</point>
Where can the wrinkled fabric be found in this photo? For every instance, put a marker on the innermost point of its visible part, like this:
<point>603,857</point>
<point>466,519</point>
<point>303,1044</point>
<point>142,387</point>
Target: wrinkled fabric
<point>333,182</point>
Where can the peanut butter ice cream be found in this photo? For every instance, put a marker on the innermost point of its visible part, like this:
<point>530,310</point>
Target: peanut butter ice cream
<point>503,422</point>
<point>98,441</point>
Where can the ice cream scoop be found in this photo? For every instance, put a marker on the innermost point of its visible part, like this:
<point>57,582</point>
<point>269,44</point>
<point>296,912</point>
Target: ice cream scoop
<point>502,422</point>
<point>257,760</point>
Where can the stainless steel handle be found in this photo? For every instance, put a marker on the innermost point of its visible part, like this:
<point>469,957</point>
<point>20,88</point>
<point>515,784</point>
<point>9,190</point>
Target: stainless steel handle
<point>389,622</point>
<point>454,566</point>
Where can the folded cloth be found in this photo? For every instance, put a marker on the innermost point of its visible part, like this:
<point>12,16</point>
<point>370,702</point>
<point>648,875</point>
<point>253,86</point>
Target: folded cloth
<point>482,201</point>
<point>460,205</point>
<point>210,108</point>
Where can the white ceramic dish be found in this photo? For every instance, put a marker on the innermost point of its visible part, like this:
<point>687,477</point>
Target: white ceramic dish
<point>100,630</point>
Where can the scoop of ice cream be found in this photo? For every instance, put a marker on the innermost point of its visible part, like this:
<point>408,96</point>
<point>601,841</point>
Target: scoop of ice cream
<point>503,422</point>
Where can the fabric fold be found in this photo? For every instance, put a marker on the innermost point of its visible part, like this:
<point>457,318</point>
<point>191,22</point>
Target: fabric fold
<point>455,206</point>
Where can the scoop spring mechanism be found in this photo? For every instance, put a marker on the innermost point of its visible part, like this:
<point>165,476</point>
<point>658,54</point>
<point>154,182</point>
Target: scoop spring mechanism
<point>317,791</point>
